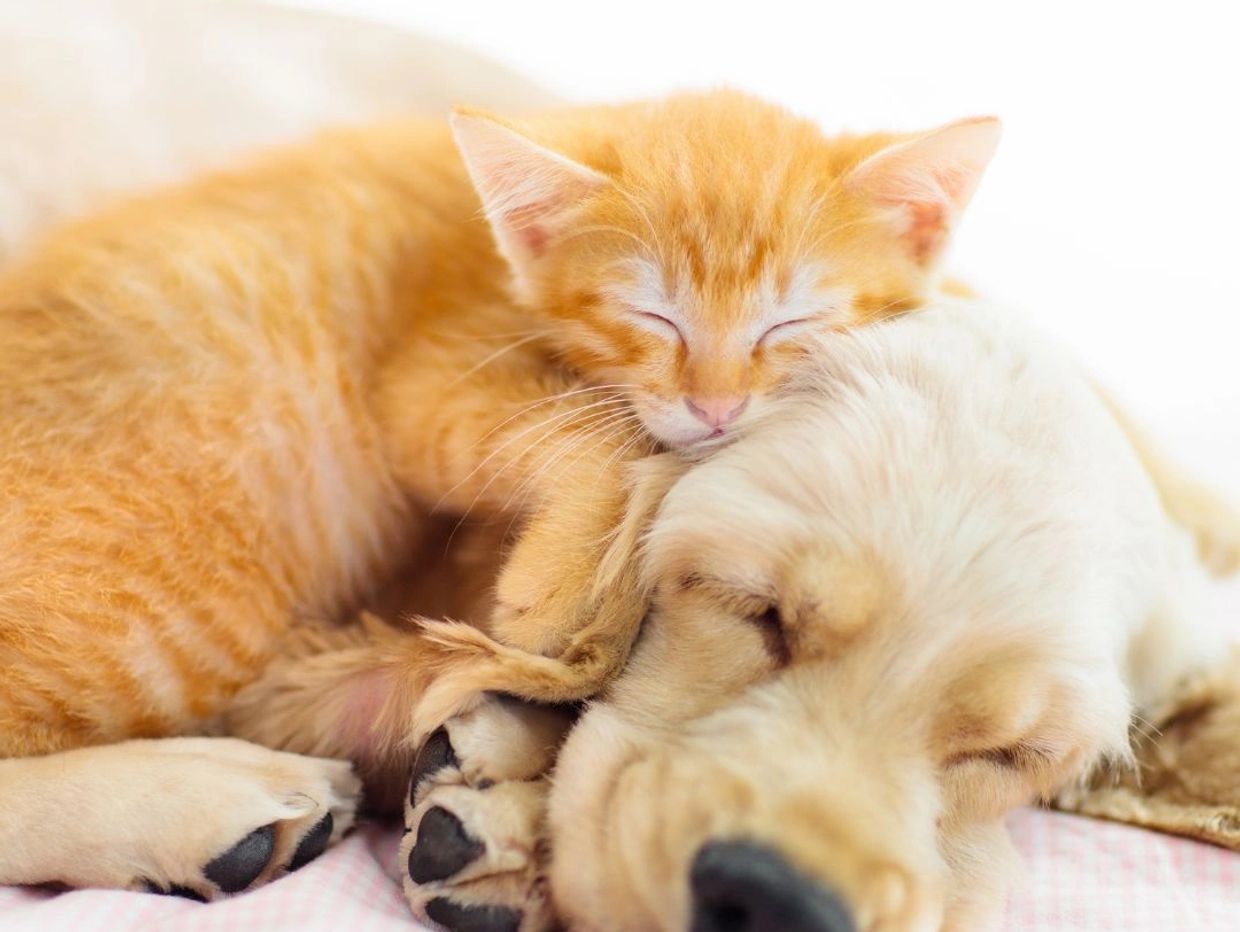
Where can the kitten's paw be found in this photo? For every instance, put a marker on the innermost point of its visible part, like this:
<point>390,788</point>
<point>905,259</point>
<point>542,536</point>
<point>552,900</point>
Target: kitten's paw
<point>471,857</point>
<point>198,818</point>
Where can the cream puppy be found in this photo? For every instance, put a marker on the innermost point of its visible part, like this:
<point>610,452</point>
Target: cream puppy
<point>936,585</point>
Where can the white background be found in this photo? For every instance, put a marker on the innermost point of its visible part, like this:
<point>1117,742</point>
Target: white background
<point>1112,210</point>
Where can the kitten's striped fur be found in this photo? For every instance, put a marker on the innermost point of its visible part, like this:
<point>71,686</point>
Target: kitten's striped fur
<point>226,404</point>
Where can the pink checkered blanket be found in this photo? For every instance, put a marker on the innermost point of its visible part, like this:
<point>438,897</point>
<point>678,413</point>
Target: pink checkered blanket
<point>1080,876</point>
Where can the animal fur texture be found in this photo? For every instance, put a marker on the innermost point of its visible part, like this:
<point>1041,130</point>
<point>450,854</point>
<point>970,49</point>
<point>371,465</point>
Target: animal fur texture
<point>227,403</point>
<point>937,585</point>
<point>232,406</point>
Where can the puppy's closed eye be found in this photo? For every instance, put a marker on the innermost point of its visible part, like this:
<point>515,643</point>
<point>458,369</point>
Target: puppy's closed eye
<point>760,610</point>
<point>775,639</point>
<point>1013,757</point>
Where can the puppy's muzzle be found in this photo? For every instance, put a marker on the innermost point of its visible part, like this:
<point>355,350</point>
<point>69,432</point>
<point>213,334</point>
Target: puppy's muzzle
<point>739,886</point>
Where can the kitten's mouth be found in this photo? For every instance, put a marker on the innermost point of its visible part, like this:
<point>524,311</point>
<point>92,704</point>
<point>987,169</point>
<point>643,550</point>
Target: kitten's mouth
<point>716,438</point>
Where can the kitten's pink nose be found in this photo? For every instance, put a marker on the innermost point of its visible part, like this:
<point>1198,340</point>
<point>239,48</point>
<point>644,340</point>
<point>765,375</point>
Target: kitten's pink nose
<point>717,412</point>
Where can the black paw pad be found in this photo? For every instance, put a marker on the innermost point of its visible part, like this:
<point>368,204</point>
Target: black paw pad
<point>433,757</point>
<point>240,865</point>
<point>186,893</point>
<point>442,847</point>
<point>313,843</point>
<point>457,918</point>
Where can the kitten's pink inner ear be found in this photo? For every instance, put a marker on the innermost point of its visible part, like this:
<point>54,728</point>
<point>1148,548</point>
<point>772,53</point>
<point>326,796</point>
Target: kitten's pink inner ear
<point>926,182</point>
<point>527,190</point>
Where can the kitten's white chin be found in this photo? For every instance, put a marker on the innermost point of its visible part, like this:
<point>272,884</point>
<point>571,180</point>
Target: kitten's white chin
<point>677,429</point>
<point>676,437</point>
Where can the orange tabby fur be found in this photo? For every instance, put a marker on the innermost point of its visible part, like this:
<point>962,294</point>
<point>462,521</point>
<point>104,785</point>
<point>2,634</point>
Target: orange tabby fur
<point>225,406</point>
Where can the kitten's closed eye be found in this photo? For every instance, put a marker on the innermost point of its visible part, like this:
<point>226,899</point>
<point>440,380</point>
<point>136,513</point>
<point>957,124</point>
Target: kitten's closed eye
<point>656,323</point>
<point>784,328</point>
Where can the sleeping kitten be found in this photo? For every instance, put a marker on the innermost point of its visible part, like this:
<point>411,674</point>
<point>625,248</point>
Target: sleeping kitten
<point>689,250</point>
<point>226,405</point>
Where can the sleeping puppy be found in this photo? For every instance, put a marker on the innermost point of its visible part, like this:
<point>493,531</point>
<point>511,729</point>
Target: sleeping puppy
<point>936,585</point>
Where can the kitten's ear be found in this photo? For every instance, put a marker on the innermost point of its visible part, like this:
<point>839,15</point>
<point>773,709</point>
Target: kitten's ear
<point>926,182</point>
<point>527,191</point>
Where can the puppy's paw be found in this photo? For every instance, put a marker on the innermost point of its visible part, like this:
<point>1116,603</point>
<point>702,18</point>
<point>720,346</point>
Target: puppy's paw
<point>471,856</point>
<point>498,739</point>
<point>198,818</point>
<point>473,860</point>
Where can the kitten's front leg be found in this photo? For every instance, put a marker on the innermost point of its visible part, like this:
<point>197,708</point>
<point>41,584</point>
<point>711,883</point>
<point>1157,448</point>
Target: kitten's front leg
<point>514,438</point>
<point>571,587</point>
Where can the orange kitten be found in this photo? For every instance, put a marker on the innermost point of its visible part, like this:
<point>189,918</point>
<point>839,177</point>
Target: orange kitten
<point>225,405</point>
<point>687,249</point>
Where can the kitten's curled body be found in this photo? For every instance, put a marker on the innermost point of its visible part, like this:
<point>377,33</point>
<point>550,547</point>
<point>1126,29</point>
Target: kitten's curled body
<point>193,453</point>
<point>225,405</point>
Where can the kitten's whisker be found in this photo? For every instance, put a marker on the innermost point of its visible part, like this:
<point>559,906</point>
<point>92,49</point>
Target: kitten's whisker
<point>585,427</point>
<point>645,216</point>
<point>887,306</point>
<point>605,228</point>
<point>589,416</point>
<point>599,419</point>
<point>440,335</point>
<point>498,450</point>
<point>603,433</point>
<point>548,400</point>
<point>614,427</point>
<point>618,455</point>
<point>575,441</point>
<point>503,350</point>
<point>814,209</point>
<point>832,231</point>
<point>566,446</point>
<point>554,421</point>
<point>615,396</point>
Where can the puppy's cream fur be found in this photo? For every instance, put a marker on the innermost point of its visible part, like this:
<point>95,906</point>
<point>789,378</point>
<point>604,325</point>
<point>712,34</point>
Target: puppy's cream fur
<point>937,586</point>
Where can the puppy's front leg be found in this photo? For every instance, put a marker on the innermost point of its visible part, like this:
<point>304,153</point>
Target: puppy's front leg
<point>191,817</point>
<point>474,851</point>
<point>473,856</point>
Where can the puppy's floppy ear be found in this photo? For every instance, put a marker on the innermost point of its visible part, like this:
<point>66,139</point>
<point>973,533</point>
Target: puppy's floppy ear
<point>923,184</point>
<point>528,192</point>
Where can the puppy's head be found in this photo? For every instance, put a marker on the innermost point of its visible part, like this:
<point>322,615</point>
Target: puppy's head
<point>835,699</point>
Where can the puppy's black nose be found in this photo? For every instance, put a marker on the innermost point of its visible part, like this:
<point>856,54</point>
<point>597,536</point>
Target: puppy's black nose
<point>739,886</point>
